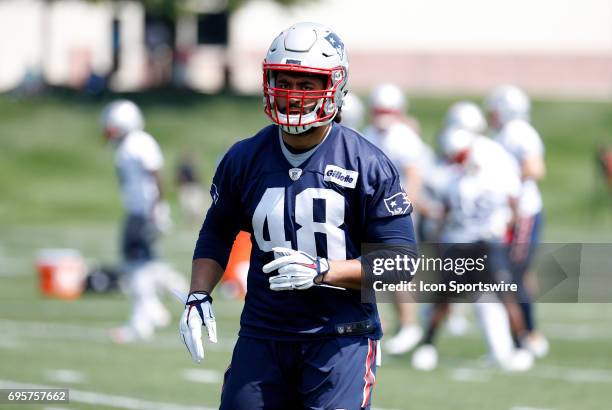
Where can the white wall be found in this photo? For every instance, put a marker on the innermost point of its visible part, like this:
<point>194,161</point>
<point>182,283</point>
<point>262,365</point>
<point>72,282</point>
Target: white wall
<point>433,25</point>
<point>494,40</point>
<point>20,39</point>
<point>77,31</point>
<point>557,45</point>
<point>132,71</point>
<point>66,39</point>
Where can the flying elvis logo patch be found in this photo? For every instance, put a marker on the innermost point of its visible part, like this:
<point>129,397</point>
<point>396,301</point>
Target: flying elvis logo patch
<point>398,204</point>
<point>341,176</point>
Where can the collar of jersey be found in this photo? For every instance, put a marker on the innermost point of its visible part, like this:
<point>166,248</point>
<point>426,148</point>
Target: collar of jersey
<point>305,156</point>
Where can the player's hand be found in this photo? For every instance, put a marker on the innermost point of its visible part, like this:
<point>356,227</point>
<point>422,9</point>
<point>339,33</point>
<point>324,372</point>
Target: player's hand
<point>296,269</point>
<point>198,312</point>
<point>162,217</point>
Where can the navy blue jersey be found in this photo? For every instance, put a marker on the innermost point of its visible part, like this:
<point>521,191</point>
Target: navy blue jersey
<point>345,194</point>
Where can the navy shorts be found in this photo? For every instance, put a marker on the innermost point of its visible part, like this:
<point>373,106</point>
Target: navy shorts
<point>138,237</point>
<point>336,373</point>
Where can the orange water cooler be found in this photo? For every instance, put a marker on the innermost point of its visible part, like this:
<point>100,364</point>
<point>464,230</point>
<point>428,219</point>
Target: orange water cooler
<point>235,276</point>
<point>61,273</point>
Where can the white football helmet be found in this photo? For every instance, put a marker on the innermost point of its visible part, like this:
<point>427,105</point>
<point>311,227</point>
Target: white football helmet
<point>466,115</point>
<point>455,143</point>
<point>506,103</point>
<point>387,105</point>
<point>122,117</point>
<point>307,49</point>
<point>387,98</point>
<point>353,111</point>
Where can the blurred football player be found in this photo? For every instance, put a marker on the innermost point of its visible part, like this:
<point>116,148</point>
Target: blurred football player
<point>509,109</point>
<point>464,115</point>
<point>310,191</point>
<point>480,203</point>
<point>353,112</point>
<point>390,131</point>
<point>604,160</point>
<point>191,194</point>
<point>138,160</point>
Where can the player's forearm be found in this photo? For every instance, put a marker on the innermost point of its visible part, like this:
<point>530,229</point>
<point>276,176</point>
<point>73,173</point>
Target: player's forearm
<point>158,182</point>
<point>414,188</point>
<point>205,274</point>
<point>346,274</point>
<point>534,168</point>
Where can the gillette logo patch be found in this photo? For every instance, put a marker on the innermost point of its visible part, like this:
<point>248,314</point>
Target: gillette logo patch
<point>341,176</point>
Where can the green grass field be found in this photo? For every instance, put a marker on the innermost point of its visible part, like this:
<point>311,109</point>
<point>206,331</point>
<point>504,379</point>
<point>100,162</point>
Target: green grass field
<point>58,189</point>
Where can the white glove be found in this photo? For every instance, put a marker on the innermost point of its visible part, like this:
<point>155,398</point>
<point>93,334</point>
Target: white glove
<point>162,217</point>
<point>296,270</point>
<point>198,312</point>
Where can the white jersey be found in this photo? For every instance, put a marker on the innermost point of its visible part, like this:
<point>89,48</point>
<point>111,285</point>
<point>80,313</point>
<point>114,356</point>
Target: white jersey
<point>439,178</point>
<point>522,141</point>
<point>479,198</point>
<point>137,156</point>
<point>403,147</point>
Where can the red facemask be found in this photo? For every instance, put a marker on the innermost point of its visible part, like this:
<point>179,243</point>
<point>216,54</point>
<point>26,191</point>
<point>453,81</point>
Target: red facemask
<point>299,108</point>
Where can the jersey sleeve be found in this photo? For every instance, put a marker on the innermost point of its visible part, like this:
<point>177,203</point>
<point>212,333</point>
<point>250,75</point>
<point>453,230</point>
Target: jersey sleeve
<point>531,145</point>
<point>388,212</point>
<point>151,155</point>
<point>411,152</point>
<point>512,184</point>
<point>222,221</point>
<point>523,140</point>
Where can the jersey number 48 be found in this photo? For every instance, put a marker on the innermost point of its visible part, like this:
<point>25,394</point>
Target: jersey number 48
<point>271,209</point>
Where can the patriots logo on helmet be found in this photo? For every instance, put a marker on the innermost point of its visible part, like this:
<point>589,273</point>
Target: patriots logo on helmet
<point>336,43</point>
<point>398,204</point>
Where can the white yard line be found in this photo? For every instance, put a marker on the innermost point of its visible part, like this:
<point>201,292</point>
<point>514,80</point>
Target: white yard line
<point>528,408</point>
<point>109,400</point>
<point>202,376</point>
<point>473,371</point>
<point>576,332</point>
<point>574,375</point>
<point>565,332</point>
<point>105,400</point>
<point>464,374</point>
<point>8,342</point>
<point>62,331</point>
<point>65,376</point>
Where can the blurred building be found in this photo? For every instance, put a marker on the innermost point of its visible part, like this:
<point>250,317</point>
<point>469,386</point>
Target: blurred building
<point>549,47</point>
<point>68,41</point>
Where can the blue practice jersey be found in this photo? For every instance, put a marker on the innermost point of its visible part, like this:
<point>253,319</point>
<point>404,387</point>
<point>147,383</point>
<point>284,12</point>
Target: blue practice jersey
<point>345,194</point>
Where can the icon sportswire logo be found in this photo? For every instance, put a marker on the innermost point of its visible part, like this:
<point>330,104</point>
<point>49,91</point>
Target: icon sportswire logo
<point>341,176</point>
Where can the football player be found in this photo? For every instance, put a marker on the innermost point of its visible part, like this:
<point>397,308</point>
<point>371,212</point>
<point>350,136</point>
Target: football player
<point>138,161</point>
<point>468,116</point>
<point>391,132</point>
<point>353,111</point>
<point>509,109</point>
<point>480,202</point>
<point>310,192</point>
